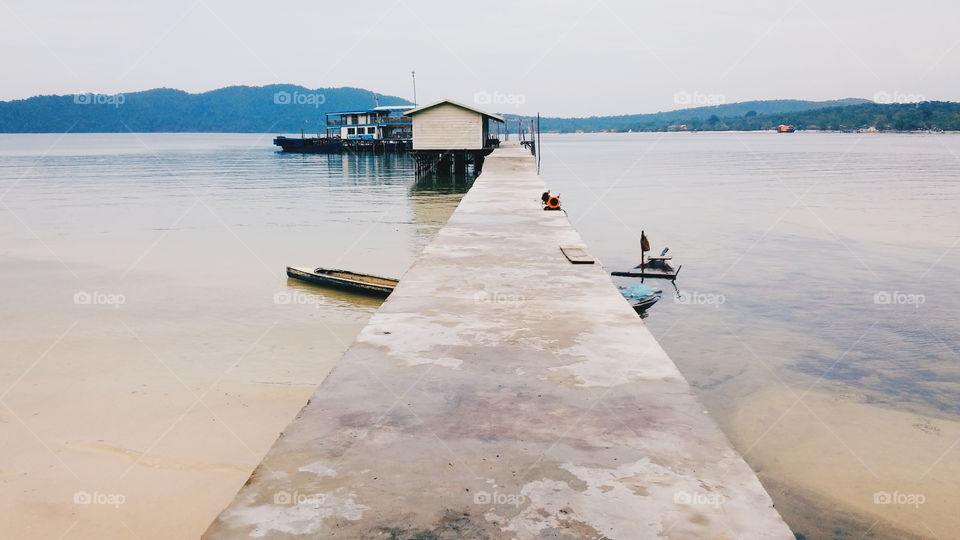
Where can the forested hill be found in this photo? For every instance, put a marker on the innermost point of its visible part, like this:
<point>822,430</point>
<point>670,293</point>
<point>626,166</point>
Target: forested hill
<point>638,122</point>
<point>288,108</point>
<point>280,108</point>
<point>285,108</point>
<point>749,117</point>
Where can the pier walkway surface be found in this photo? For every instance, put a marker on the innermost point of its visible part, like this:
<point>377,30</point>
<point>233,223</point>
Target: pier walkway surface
<point>503,392</point>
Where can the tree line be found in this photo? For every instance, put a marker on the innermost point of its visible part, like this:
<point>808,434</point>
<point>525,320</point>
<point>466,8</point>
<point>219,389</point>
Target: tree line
<point>929,115</point>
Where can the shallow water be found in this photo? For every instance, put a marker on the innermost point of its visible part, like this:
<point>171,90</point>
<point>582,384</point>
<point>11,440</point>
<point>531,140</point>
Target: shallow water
<point>152,346</point>
<point>810,234</point>
<point>817,268</point>
<point>187,349</point>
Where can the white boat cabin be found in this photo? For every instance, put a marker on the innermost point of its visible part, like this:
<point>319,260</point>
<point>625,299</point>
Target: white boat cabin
<point>386,122</point>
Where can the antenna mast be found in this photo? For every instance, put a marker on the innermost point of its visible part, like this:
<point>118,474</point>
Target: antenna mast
<point>413,75</point>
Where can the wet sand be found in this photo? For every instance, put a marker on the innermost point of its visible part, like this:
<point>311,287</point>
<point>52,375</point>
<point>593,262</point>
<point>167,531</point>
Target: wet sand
<point>833,452</point>
<point>142,418</point>
<point>157,422</point>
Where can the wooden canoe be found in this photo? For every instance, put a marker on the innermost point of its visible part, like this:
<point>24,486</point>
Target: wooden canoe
<point>345,279</point>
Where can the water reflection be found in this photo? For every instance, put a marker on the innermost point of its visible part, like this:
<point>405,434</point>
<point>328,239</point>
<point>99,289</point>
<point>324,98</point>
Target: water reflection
<point>318,295</point>
<point>436,182</point>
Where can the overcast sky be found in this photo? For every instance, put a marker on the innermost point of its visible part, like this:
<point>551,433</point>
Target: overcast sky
<point>562,58</point>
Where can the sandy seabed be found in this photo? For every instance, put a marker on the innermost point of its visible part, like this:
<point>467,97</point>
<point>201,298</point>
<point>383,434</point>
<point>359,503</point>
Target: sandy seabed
<point>143,420</point>
<point>838,467</point>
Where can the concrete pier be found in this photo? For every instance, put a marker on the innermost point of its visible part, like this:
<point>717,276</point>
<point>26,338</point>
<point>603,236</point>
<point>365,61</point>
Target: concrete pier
<point>502,392</point>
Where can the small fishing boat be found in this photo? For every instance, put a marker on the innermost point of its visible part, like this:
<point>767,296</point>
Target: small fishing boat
<point>344,279</point>
<point>652,267</point>
<point>640,296</point>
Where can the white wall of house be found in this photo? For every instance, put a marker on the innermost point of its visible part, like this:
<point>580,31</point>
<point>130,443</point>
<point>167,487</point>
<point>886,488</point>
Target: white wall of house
<point>447,127</point>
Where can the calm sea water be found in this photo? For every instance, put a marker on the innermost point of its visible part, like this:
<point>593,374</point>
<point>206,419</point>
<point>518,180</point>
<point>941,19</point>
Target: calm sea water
<point>816,310</point>
<point>820,262</point>
<point>151,344</point>
<point>832,255</point>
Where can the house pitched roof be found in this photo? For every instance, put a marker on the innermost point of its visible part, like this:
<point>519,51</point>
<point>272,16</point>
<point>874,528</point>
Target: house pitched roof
<point>414,111</point>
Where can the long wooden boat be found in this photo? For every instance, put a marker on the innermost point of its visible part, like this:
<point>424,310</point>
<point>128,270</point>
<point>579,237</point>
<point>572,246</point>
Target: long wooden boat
<point>309,145</point>
<point>344,279</point>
